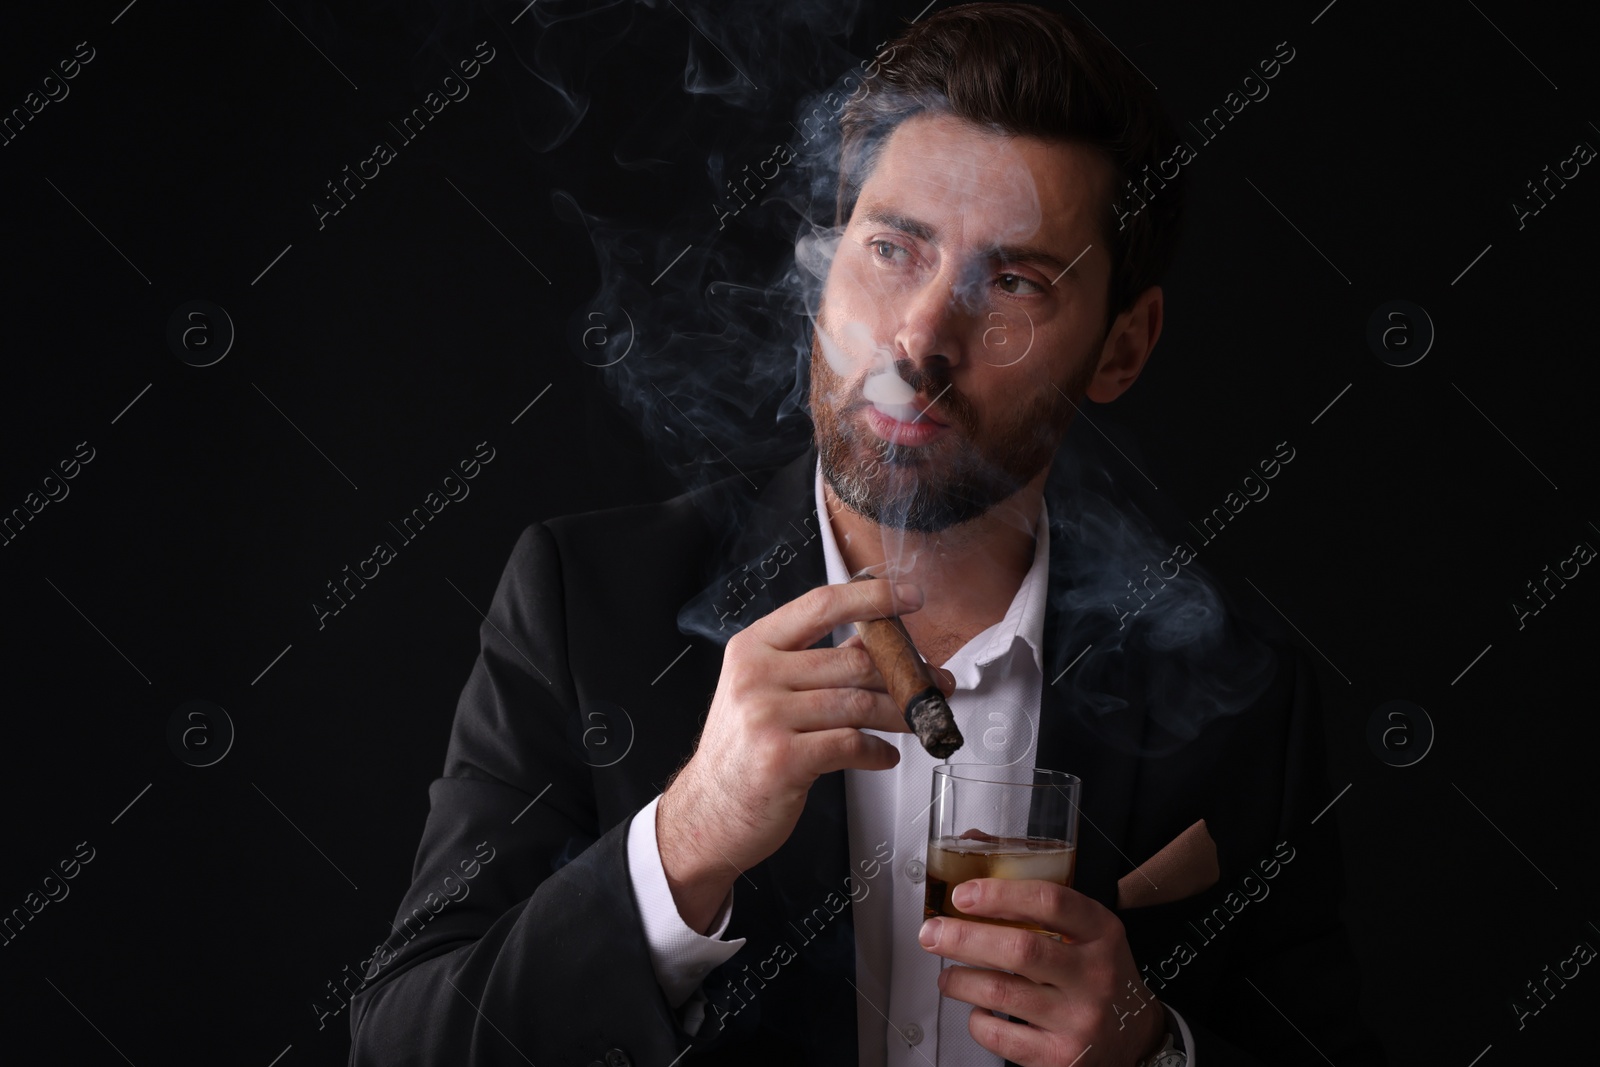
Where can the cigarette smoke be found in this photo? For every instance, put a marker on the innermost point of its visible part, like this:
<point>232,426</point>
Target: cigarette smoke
<point>703,321</point>
<point>1196,662</point>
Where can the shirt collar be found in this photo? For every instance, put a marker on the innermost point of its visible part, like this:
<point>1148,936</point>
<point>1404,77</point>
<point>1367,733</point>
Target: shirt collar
<point>1024,619</point>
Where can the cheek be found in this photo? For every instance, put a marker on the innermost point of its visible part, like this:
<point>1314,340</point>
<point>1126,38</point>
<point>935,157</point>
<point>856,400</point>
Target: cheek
<point>852,298</point>
<point>857,331</point>
<point>830,389</point>
<point>1023,398</point>
<point>848,272</point>
<point>858,291</point>
<point>1046,361</point>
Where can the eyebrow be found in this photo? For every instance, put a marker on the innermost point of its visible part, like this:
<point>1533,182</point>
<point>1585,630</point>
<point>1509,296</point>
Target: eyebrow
<point>1039,257</point>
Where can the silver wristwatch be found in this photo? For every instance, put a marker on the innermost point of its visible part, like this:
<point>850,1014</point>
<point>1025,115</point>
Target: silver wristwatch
<point>1172,1052</point>
<point>1168,1055</point>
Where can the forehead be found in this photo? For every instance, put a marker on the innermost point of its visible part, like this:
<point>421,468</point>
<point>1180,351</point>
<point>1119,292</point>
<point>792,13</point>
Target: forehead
<point>973,184</point>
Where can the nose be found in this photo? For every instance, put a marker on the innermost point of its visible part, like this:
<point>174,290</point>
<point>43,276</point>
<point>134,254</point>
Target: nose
<point>931,323</point>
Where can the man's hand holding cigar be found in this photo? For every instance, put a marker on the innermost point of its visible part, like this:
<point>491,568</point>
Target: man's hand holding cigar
<point>783,714</point>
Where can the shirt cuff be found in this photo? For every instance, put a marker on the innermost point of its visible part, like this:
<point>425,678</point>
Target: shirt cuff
<point>1183,1030</point>
<point>680,955</point>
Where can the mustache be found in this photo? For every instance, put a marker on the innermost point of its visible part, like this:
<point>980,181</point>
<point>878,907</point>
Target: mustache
<point>943,401</point>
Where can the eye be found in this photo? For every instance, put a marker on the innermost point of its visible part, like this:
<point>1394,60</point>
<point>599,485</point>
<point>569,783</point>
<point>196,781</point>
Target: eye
<point>887,251</point>
<point>1012,283</point>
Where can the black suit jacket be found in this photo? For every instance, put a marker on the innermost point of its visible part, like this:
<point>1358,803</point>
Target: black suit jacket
<point>540,956</point>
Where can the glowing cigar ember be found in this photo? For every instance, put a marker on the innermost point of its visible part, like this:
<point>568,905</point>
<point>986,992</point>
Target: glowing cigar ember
<point>910,681</point>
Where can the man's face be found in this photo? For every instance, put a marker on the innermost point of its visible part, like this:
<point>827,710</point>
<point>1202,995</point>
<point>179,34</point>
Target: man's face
<point>951,325</point>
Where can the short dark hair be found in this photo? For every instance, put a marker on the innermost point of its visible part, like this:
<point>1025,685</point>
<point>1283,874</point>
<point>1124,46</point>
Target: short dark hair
<point>1025,70</point>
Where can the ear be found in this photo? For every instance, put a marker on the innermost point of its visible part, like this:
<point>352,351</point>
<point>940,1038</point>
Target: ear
<point>1127,346</point>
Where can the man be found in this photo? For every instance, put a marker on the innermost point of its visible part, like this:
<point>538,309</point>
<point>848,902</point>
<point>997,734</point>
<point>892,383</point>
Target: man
<point>984,282</point>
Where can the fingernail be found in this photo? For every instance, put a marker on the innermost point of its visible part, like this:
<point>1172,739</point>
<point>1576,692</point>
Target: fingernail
<point>908,594</point>
<point>929,934</point>
<point>964,895</point>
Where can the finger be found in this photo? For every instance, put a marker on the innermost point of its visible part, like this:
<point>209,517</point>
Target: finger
<point>1032,900</point>
<point>1003,948</point>
<point>810,617</point>
<point>821,751</point>
<point>945,679</point>
<point>827,668</point>
<point>832,709</point>
<point>1019,1043</point>
<point>1009,993</point>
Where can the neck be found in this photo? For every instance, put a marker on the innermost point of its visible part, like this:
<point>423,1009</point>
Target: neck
<point>969,573</point>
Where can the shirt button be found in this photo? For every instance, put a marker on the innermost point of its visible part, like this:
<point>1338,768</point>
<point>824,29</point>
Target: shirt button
<point>912,1033</point>
<point>915,871</point>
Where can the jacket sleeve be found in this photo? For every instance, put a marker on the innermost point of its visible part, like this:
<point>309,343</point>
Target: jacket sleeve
<point>519,940</point>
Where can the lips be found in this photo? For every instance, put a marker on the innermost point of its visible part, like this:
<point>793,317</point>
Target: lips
<point>898,424</point>
<point>913,412</point>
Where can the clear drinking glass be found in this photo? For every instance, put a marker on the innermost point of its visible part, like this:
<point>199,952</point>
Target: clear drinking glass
<point>999,822</point>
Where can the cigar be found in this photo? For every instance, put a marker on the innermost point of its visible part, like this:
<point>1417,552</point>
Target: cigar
<point>911,683</point>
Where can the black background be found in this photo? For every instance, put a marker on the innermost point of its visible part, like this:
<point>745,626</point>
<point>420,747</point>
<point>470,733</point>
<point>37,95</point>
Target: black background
<point>407,329</point>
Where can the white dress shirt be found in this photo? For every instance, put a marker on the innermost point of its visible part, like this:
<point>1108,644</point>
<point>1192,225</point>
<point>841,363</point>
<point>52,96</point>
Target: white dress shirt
<point>901,1020</point>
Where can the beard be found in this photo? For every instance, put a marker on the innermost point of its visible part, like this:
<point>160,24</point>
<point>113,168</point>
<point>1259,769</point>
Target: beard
<point>968,470</point>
